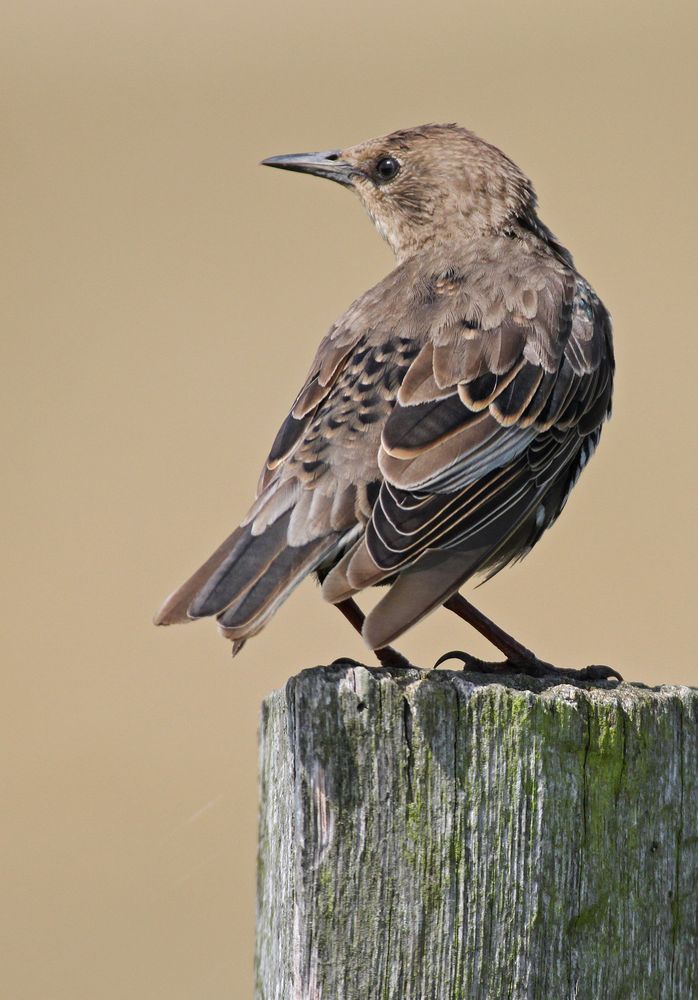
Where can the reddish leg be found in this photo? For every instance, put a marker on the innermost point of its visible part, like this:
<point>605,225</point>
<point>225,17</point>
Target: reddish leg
<point>519,659</point>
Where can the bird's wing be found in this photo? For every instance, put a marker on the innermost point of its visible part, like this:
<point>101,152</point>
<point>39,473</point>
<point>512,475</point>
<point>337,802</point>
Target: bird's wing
<point>327,364</point>
<point>487,432</point>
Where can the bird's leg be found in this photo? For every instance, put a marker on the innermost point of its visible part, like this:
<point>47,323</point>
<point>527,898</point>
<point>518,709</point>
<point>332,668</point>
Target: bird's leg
<point>388,656</point>
<point>514,651</point>
<point>519,659</point>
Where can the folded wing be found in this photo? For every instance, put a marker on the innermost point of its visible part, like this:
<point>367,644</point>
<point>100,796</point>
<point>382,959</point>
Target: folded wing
<point>489,432</point>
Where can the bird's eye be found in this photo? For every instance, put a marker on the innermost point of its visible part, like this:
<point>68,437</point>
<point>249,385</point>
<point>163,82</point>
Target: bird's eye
<point>386,168</point>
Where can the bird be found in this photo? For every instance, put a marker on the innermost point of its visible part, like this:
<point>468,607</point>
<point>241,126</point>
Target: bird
<point>445,417</point>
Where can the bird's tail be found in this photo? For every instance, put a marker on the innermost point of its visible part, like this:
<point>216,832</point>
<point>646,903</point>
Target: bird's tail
<point>247,578</point>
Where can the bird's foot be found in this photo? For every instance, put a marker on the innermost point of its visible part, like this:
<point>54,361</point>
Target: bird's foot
<point>390,657</point>
<point>343,661</point>
<point>531,667</point>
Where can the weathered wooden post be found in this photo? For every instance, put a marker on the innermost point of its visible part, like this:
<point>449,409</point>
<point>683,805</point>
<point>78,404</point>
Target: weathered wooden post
<point>438,836</point>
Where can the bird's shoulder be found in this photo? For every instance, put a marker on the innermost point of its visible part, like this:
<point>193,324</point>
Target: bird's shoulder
<point>481,279</point>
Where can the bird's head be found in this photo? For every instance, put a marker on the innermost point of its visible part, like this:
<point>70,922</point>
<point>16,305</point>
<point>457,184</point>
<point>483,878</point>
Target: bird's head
<point>425,185</point>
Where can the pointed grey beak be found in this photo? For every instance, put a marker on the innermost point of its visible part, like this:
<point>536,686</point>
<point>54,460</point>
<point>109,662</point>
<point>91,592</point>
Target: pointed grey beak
<point>328,165</point>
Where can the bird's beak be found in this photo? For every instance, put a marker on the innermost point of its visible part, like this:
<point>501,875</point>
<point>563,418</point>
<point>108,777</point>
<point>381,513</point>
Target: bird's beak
<point>329,165</point>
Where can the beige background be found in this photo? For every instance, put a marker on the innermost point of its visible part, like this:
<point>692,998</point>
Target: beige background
<point>163,296</point>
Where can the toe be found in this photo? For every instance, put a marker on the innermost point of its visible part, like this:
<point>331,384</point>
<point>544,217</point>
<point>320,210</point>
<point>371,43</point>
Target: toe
<point>598,672</point>
<point>390,657</point>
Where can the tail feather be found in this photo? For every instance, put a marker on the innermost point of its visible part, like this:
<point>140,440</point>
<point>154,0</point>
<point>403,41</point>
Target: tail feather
<point>175,610</point>
<point>247,578</point>
<point>247,560</point>
<point>249,613</point>
<point>233,567</point>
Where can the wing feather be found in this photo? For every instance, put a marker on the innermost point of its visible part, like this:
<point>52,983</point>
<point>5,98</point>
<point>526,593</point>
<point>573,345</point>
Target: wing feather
<point>475,449</point>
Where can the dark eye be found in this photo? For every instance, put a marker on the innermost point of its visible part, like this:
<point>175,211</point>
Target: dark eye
<point>386,168</point>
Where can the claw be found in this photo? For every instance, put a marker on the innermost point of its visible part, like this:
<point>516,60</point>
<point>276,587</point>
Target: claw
<point>598,672</point>
<point>454,654</point>
<point>532,667</point>
<point>477,666</point>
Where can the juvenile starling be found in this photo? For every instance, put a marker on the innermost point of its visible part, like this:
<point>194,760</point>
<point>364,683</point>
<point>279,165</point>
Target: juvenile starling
<point>446,415</point>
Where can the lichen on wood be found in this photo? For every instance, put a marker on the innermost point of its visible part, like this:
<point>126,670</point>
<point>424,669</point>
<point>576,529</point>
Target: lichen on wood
<point>438,836</point>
